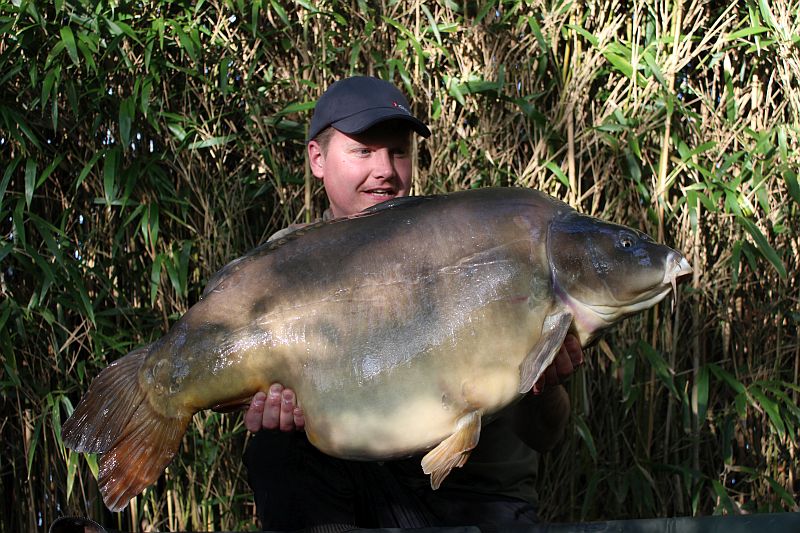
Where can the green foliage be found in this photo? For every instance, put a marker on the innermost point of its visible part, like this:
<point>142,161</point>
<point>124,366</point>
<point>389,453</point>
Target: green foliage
<point>144,144</point>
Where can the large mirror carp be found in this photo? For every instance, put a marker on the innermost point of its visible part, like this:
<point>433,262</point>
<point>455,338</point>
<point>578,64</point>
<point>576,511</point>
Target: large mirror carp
<point>398,328</point>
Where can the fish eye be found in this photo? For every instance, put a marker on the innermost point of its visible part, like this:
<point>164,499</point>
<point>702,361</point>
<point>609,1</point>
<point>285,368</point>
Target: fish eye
<point>626,240</point>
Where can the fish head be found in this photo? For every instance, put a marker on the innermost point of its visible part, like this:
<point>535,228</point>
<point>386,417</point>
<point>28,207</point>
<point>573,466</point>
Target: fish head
<point>604,272</point>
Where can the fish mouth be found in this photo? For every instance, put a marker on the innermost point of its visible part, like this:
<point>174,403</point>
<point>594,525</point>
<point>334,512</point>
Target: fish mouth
<point>592,318</point>
<point>677,267</point>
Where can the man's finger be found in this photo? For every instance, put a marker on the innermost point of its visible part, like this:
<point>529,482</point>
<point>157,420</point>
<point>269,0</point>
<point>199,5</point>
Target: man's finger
<point>551,375</point>
<point>299,418</point>
<point>573,347</point>
<point>563,364</point>
<point>252,418</point>
<point>272,407</point>
<point>287,410</point>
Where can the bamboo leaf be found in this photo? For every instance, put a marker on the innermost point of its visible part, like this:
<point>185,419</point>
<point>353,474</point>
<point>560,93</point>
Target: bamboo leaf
<point>69,42</point>
<point>211,141</point>
<point>736,256</point>
<point>628,373</point>
<point>281,12</point>
<point>728,378</point>
<point>746,32</point>
<point>49,170</point>
<point>72,469</point>
<point>30,180</point>
<point>586,435</point>
<point>55,417</point>
<point>9,170</point>
<point>118,28</point>
<point>33,444</point>
<point>87,56</point>
<point>766,12</point>
<point>126,112</point>
<point>770,407</point>
<point>654,68</point>
<point>784,494</point>
<point>724,501</point>
<point>152,224</point>
<point>432,23</point>
<point>88,167</point>
<point>453,88</point>
<point>5,249</point>
<point>183,268</point>
<point>86,302</point>
<point>583,33</point>
<point>791,183</point>
<point>47,86</point>
<point>660,365</point>
<point>700,395</point>
<point>19,224</point>
<point>620,63</point>
<point>91,461</point>
<point>763,245</point>
<point>46,231</point>
<point>155,278</point>
<point>172,272</point>
<point>110,176</point>
<point>558,173</point>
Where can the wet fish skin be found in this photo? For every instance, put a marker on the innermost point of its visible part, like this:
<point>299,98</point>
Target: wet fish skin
<point>398,328</point>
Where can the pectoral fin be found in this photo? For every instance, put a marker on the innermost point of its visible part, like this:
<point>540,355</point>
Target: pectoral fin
<point>238,404</point>
<point>554,330</point>
<point>454,450</point>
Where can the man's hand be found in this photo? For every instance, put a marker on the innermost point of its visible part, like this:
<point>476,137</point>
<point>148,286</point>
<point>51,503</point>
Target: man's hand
<point>569,357</point>
<point>275,410</point>
<point>540,418</point>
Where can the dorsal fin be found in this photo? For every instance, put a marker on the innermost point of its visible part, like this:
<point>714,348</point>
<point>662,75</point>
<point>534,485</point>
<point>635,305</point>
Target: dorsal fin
<point>259,251</point>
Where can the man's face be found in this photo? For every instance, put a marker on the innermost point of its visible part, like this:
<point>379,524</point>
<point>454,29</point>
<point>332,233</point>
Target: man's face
<point>364,169</point>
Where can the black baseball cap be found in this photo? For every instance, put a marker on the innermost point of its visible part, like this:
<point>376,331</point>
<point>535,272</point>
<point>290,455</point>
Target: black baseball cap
<point>353,105</point>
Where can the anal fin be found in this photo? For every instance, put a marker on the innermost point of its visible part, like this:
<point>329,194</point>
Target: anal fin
<point>554,329</point>
<point>454,451</point>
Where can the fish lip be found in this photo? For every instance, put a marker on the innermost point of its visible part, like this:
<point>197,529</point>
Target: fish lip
<point>677,267</point>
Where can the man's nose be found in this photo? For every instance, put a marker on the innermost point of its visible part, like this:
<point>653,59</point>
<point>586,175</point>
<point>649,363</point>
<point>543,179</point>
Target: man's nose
<point>383,164</point>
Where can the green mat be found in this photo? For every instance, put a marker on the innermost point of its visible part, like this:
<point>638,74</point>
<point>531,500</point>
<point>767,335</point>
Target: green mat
<point>758,523</point>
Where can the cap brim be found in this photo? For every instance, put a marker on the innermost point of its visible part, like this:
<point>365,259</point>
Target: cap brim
<point>361,122</point>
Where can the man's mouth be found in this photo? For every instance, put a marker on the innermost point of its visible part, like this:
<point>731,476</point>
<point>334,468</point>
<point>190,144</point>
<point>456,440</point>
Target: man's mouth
<point>381,192</point>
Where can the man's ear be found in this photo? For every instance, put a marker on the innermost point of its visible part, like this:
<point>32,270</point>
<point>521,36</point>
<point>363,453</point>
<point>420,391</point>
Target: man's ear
<point>316,159</point>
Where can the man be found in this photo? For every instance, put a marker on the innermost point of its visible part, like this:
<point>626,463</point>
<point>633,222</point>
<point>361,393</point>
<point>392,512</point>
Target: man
<point>359,147</point>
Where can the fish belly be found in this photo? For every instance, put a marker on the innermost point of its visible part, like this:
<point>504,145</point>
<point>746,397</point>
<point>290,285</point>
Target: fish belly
<point>410,407</point>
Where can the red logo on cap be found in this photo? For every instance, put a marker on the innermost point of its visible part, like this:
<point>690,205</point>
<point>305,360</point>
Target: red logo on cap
<point>395,104</point>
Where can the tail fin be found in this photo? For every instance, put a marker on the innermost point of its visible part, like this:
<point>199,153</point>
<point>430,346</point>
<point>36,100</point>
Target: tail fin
<point>116,419</point>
